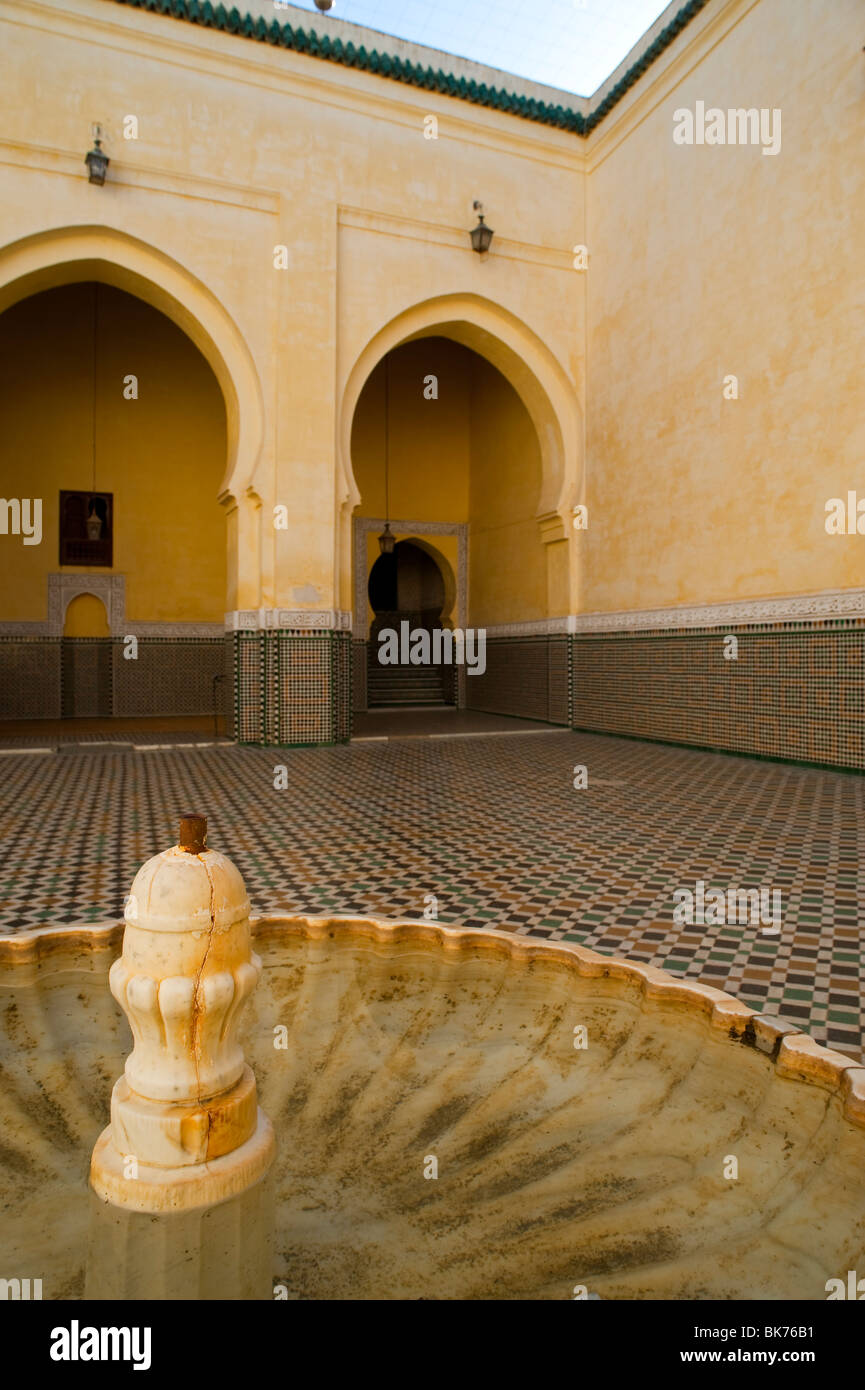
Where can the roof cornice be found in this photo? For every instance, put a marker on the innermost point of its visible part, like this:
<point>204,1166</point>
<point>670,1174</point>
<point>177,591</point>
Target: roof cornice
<point>398,69</point>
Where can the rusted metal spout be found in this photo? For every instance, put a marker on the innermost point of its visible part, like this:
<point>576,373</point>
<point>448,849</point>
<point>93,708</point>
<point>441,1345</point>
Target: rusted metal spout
<point>193,834</point>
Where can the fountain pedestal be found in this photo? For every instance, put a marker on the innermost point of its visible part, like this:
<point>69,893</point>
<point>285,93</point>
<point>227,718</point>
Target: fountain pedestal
<point>214,1252</point>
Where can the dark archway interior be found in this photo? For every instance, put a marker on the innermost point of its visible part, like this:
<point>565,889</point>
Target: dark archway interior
<point>407,584</point>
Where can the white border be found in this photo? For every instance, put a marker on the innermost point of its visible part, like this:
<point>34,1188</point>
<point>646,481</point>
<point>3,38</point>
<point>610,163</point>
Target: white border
<point>362,527</point>
<point>306,619</point>
<point>830,603</point>
<point>62,588</point>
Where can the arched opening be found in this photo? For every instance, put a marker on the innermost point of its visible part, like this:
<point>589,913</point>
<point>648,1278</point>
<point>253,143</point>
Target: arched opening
<point>407,592</point>
<point>443,445</point>
<point>86,617</point>
<point>407,584</point>
<point>85,659</point>
<point>70,255</point>
<point>113,419</point>
<point>545,390</point>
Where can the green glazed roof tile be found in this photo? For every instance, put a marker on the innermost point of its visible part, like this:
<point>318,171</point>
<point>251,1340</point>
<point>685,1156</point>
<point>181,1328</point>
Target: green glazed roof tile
<point>402,70</point>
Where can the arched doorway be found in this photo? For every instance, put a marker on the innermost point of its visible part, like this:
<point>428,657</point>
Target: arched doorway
<point>115,421</point>
<point>407,588</point>
<point>85,659</point>
<point>443,445</point>
<point>69,256</point>
<point>407,584</point>
<point>508,345</point>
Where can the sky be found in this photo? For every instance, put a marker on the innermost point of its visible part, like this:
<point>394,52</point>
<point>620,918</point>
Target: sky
<point>571,44</point>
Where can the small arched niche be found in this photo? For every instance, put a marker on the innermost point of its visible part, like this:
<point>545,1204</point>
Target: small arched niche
<point>86,617</point>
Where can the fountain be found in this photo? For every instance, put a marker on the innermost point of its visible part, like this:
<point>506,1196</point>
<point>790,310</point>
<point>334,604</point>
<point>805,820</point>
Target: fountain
<point>186,1133</point>
<point>458,1114</point>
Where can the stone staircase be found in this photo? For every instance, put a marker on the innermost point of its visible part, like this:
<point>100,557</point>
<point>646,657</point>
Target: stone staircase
<point>405,685</point>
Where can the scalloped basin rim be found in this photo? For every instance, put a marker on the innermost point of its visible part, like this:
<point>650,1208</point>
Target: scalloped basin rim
<point>795,1053</point>
<point>603,1165</point>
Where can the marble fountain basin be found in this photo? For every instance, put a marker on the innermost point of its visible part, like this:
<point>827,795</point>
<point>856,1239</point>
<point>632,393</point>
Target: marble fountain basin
<point>379,1048</point>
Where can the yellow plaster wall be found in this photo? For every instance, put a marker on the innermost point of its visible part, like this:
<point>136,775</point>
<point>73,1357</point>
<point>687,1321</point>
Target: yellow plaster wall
<point>508,580</point>
<point>429,450</point>
<point>243,147</point>
<point>703,261</point>
<point>162,455</point>
<point>714,260</point>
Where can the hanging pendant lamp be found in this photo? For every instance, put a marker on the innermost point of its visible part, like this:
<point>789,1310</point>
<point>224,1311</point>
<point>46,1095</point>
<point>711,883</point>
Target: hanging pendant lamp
<point>387,540</point>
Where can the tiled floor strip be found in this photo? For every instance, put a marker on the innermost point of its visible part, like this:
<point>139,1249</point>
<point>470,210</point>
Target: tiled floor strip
<point>494,829</point>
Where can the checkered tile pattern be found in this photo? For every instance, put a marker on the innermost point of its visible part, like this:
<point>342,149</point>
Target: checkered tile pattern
<point>529,677</point>
<point>44,677</point>
<point>796,690</point>
<point>495,830</point>
<point>293,687</point>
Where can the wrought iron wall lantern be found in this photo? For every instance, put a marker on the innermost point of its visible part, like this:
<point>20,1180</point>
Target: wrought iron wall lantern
<point>481,235</point>
<point>97,160</point>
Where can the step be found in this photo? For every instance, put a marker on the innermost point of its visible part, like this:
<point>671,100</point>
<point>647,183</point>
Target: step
<point>409,687</point>
<point>425,702</point>
<point>404,685</point>
<point>415,673</point>
<point>389,697</point>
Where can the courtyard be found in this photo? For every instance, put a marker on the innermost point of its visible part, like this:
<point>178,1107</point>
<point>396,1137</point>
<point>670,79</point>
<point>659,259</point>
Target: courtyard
<point>432,657</point>
<point>483,829</point>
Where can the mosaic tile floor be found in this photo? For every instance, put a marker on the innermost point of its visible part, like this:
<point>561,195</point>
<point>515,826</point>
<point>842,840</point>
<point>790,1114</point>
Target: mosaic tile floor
<point>428,722</point>
<point>495,829</point>
<point>15,732</point>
